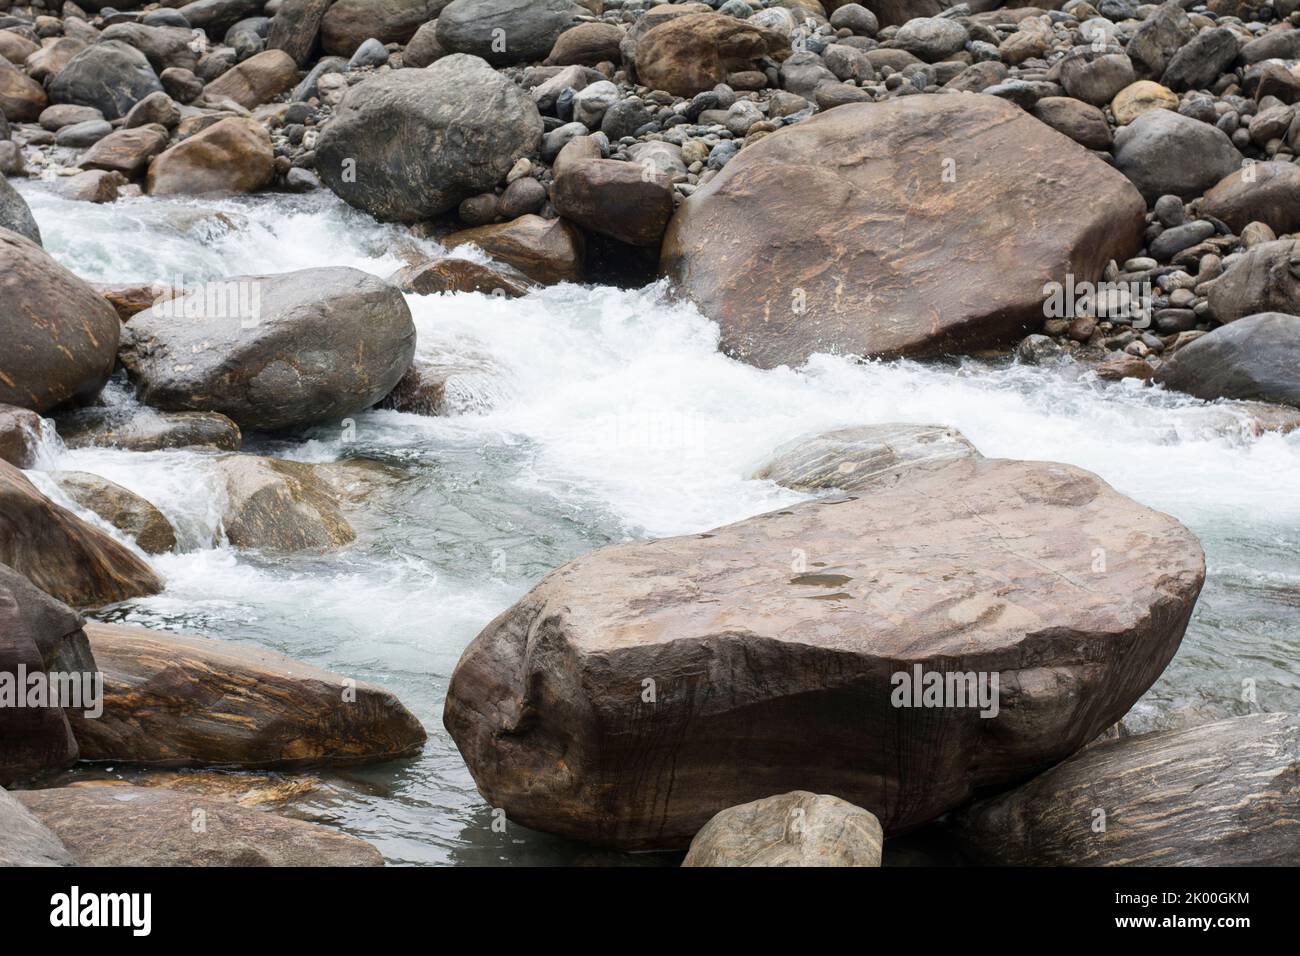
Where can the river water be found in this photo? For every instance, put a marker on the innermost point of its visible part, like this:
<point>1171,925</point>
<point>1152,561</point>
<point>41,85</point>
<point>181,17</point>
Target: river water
<point>593,415</point>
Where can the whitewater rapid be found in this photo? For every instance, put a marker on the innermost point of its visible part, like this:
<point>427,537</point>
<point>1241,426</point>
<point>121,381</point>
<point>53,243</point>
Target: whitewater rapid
<point>592,415</point>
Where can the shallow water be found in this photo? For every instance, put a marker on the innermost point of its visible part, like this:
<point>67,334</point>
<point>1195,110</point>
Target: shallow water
<point>592,415</point>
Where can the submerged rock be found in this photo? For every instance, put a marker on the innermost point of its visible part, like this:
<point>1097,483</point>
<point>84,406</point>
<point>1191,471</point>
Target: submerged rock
<point>851,459</point>
<point>640,689</point>
<point>1221,794</point>
<point>20,436</point>
<point>182,700</point>
<point>148,430</point>
<point>62,555</point>
<point>820,263</point>
<point>280,507</point>
<point>793,829</point>
<point>110,825</point>
<point>123,509</point>
<point>273,352</point>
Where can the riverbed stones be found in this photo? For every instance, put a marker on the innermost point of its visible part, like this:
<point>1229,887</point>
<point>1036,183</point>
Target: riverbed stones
<point>853,459</point>
<point>545,250</point>
<point>349,23</point>
<point>1265,278</point>
<point>819,266</point>
<point>123,509</point>
<point>412,144</point>
<point>689,54</point>
<point>24,840</point>
<point>279,507</point>
<point>624,201</point>
<point>793,829</point>
<point>256,80</point>
<point>1219,794</point>
<point>65,557</point>
<point>60,337</point>
<point>1256,358</point>
<point>233,155</point>
<point>109,824</point>
<point>149,430</point>
<point>761,668</point>
<point>1143,151</point>
<point>181,700</point>
<point>1083,123</point>
<point>110,76</point>
<point>273,352</point>
<point>1260,192</point>
<point>15,214</point>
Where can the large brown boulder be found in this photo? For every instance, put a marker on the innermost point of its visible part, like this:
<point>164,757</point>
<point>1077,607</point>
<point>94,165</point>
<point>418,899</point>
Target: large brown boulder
<point>21,98</point>
<point>640,689</point>
<point>233,155</point>
<point>545,250</point>
<point>61,554</point>
<point>182,700</point>
<point>1221,794</point>
<point>37,635</point>
<point>625,201</point>
<point>349,23</point>
<point>106,824</point>
<point>60,336</point>
<point>273,352</point>
<point>1265,278</point>
<point>255,81</point>
<point>126,151</point>
<point>686,55</point>
<point>793,829</point>
<point>280,507</point>
<point>1259,192</point>
<point>919,226</point>
<point>1256,358</point>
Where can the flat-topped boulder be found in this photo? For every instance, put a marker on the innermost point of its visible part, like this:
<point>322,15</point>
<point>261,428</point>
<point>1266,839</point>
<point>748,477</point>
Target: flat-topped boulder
<point>914,227</point>
<point>1225,793</point>
<point>103,824</point>
<point>639,690</point>
<point>181,700</point>
<point>62,555</point>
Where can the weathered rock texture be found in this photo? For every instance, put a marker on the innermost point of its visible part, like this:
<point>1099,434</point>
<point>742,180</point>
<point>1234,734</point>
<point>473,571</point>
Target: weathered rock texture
<point>182,700</point>
<point>24,840</point>
<point>280,507</point>
<point>925,225</point>
<point>1220,794</point>
<point>772,645</point>
<point>793,829</point>
<point>851,459</point>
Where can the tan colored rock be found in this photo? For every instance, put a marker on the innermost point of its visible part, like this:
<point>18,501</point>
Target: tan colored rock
<point>59,337</point>
<point>1258,192</point>
<point>15,48</point>
<point>793,829</point>
<point>587,44</point>
<point>49,61</point>
<point>624,201</point>
<point>126,151</point>
<point>873,229</point>
<point>1136,98</point>
<point>775,647</point>
<point>62,555</point>
<point>20,436</point>
<point>94,185</point>
<point>110,825</point>
<point>545,250</point>
<point>1225,793</point>
<point>280,507</point>
<point>181,700</point>
<point>233,155</point>
<point>123,509</point>
<point>255,81</point>
<point>853,459</point>
<point>24,840</point>
<point>687,55</point>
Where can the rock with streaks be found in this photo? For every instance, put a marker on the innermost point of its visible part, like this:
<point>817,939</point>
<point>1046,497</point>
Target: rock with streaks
<point>793,829</point>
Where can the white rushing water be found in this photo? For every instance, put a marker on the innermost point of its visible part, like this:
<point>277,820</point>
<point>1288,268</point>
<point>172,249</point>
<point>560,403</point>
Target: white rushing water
<point>592,415</point>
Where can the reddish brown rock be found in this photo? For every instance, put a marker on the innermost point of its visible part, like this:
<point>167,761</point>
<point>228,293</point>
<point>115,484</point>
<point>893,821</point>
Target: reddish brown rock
<point>545,250</point>
<point>920,226</point>
<point>126,151</point>
<point>625,201</point>
<point>640,689</point>
<point>183,700</point>
<point>61,554</point>
<point>587,44</point>
<point>233,155</point>
<point>1259,192</point>
<point>21,97</point>
<point>257,80</point>
<point>457,275</point>
<point>59,337</point>
<point>690,54</point>
<point>20,435</point>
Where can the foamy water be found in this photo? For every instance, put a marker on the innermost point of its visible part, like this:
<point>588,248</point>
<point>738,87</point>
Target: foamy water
<point>591,415</point>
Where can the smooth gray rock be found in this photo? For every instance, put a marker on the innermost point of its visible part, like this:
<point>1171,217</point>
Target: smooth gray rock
<point>316,346</point>
<point>412,144</point>
<point>1166,152</point>
<point>15,214</point>
<point>1266,278</point>
<point>1161,36</point>
<point>1254,359</point>
<point>1201,62</point>
<point>505,31</point>
<point>110,76</point>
